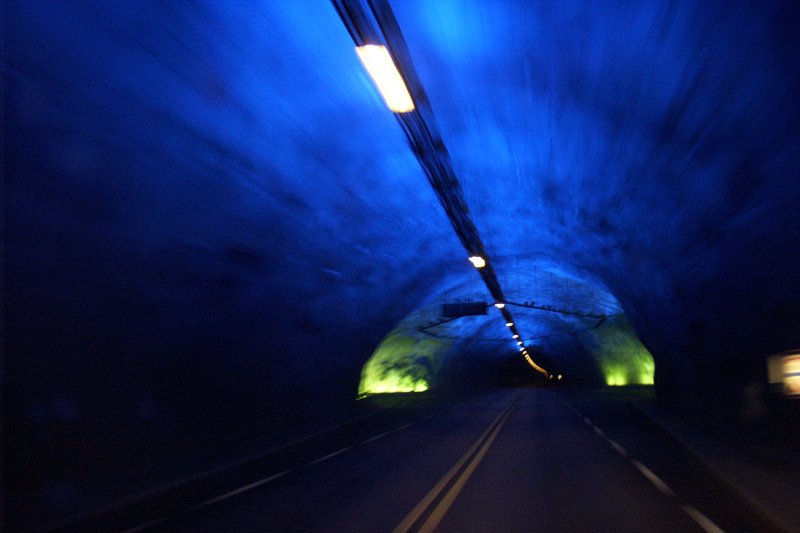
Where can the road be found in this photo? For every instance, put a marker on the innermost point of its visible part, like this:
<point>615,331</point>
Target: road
<point>513,460</point>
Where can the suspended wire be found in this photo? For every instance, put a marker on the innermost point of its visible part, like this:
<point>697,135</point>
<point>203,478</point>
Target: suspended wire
<point>424,329</point>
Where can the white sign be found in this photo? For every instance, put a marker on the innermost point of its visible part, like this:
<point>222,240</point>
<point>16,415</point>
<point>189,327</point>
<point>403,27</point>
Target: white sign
<point>791,375</point>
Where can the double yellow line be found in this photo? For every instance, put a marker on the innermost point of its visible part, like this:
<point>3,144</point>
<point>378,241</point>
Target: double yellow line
<point>471,459</point>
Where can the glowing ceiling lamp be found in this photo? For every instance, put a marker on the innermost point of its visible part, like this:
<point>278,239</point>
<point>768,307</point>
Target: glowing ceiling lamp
<point>519,342</point>
<point>477,261</point>
<point>499,305</point>
<point>515,336</point>
<point>509,324</point>
<point>384,73</point>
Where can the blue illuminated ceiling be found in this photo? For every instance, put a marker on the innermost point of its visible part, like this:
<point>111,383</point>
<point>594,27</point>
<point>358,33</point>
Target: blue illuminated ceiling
<point>613,138</point>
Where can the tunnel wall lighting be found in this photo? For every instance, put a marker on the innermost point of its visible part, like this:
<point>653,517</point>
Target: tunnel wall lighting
<point>384,73</point>
<point>499,305</point>
<point>509,324</point>
<point>515,337</point>
<point>477,261</point>
<point>519,342</point>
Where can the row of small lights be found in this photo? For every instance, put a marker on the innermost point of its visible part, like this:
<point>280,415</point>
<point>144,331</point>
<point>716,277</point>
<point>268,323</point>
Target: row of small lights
<point>378,62</point>
<point>479,262</point>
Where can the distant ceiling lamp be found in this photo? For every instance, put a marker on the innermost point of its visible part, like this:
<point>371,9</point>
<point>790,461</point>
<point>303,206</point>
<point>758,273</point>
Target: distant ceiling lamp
<point>559,377</point>
<point>477,261</point>
<point>509,324</point>
<point>387,78</point>
<point>519,342</point>
<point>515,336</point>
<point>499,305</point>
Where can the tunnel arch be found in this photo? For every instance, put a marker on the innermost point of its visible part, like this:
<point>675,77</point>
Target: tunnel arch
<point>551,300</point>
<point>209,227</point>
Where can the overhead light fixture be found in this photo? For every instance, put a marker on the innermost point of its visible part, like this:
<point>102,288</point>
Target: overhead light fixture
<point>499,305</point>
<point>559,377</point>
<point>387,78</point>
<point>519,342</point>
<point>509,324</point>
<point>477,261</point>
<point>515,336</point>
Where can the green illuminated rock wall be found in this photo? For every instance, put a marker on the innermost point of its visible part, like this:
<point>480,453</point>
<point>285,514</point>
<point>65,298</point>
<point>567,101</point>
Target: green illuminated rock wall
<point>622,358</point>
<point>403,362</point>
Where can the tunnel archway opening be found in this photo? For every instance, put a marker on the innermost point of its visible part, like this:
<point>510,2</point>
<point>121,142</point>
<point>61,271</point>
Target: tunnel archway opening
<point>571,321</point>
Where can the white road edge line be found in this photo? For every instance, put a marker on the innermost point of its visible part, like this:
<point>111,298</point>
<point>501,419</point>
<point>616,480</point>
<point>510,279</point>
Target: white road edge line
<point>145,525</point>
<point>616,445</point>
<point>237,463</point>
<point>329,456</point>
<point>396,430</point>
<point>702,520</point>
<point>654,479</point>
<point>376,437</point>
<point>240,490</point>
<point>381,435</point>
<point>212,501</point>
<point>276,476</point>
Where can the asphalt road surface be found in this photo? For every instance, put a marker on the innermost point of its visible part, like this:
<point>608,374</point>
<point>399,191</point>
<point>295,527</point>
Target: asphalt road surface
<point>512,460</point>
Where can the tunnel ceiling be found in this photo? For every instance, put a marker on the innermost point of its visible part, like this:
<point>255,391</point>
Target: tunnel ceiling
<point>561,137</point>
<point>218,190</point>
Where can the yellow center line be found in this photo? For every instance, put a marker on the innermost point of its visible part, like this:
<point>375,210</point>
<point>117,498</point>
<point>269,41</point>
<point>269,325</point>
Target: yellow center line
<point>444,505</point>
<point>481,446</point>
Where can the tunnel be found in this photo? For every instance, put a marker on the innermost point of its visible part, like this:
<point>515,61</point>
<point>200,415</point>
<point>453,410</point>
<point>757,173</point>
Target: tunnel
<point>216,226</point>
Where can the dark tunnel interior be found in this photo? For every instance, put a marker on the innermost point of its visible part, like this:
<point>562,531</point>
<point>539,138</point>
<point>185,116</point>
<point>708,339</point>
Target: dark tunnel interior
<point>215,227</point>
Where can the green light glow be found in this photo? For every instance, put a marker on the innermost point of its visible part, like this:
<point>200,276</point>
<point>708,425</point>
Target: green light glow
<point>622,358</point>
<point>402,363</point>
